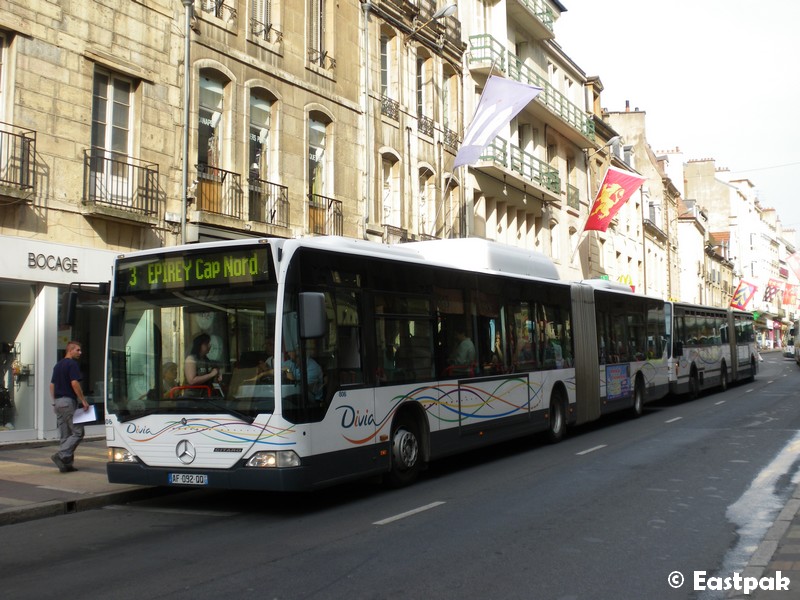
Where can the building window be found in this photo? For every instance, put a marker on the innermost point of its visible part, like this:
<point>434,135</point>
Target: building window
<point>112,176</point>
<point>426,199</point>
<point>317,134</point>
<point>259,137</point>
<point>111,113</point>
<point>319,34</point>
<point>390,193</point>
<point>209,125</point>
<point>264,18</point>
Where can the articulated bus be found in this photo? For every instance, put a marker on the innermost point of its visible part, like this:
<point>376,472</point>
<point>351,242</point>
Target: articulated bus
<point>711,348</point>
<point>279,364</point>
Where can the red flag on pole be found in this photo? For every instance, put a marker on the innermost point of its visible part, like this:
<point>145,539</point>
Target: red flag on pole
<point>617,187</point>
<point>744,293</point>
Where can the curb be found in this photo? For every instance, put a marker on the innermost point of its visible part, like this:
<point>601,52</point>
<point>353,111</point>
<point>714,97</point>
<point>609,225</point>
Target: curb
<point>53,508</point>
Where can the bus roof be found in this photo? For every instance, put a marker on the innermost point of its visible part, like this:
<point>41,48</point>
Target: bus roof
<point>470,254</point>
<point>482,255</point>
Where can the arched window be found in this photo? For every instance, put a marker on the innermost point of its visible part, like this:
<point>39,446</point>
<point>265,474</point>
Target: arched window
<point>209,119</point>
<point>426,201</point>
<point>259,138</point>
<point>391,208</point>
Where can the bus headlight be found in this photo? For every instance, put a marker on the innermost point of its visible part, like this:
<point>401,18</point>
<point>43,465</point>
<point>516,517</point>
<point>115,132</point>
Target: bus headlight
<point>120,455</point>
<point>279,459</point>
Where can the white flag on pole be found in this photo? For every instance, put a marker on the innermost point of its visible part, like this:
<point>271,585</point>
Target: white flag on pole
<point>501,101</point>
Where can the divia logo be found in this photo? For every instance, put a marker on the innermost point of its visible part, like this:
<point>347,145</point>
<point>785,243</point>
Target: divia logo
<point>354,418</point>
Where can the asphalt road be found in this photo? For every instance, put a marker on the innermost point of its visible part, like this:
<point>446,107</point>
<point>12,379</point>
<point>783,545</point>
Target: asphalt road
<point>608,513</point>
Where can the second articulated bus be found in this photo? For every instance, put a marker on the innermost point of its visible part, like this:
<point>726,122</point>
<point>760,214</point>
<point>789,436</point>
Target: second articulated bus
<point>303,363</point>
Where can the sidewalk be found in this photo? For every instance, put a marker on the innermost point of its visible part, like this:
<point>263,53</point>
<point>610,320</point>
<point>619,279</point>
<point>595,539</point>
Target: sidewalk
<point>31,486</point>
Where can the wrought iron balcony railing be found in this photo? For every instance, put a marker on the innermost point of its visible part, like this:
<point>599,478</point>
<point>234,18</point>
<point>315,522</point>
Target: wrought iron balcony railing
<point>219,191</point>
<point>425,125</point>
<point>324,215</point>
<point>321,58</point>
<point>265,31</point>
<point>390,108</point>
<point>269,202</point>
<point>119,181</point>
<point>221,9</point>
<point>17,157</point>
<point>451,139</point>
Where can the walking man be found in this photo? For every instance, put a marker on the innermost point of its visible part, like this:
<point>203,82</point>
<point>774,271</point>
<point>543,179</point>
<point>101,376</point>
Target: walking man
<point>65,390</point>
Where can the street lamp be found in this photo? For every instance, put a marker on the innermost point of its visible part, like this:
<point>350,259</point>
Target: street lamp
<point>442,13</point>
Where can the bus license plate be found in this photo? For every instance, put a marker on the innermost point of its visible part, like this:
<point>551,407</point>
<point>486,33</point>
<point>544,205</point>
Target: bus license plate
<point>187,479</point>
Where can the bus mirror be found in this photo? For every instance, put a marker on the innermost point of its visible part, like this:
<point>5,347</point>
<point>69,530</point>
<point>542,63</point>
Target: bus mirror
<point>313,318</point>
<point>69,307</point>
<point>678,349</point>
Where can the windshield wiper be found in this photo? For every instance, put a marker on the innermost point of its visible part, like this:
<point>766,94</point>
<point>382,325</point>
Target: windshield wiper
<point>222,407</point>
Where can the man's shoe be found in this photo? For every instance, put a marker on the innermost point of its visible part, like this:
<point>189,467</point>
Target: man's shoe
<point>59,463</point>
<point>68,469</point>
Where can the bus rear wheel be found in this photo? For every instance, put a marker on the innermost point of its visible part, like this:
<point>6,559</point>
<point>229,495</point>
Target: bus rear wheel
<point>406,452</point>
<point>638,400</point>
<point>558,419</point>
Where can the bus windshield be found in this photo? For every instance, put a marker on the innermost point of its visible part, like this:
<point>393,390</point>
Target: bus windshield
<point>187,347</point>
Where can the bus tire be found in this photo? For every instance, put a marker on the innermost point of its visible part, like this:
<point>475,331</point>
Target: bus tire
<point>406,452</point>
<point>723,378</point>
<point>638,399</point>
<point>558,419</point>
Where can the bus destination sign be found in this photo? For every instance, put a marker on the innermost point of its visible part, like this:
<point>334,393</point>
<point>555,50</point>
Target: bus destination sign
<point>193,270</point>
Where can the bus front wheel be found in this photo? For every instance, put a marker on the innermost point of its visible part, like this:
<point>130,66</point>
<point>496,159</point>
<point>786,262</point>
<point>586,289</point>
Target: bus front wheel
<point>406,452</point>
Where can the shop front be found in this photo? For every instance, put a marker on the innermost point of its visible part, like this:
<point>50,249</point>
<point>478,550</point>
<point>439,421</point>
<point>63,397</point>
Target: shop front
<point>34,279</point>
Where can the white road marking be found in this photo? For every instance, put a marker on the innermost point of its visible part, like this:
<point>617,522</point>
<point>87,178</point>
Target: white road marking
<point>591,450</point>
<point>673,420</point>
<point>408,513</point>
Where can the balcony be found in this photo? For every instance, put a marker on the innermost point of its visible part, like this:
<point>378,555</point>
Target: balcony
<point>17,161</point>
<point>394,235</point>
<point>390,108</point>
<point>219,192</point>
<point>487,51</point>
<point>425,125</point>
<point>269,202</point>
<point>119,186</point>
<point>486,54</point>
<point>534,16</point>
<point>324,215</point>
<point>502,160</point>
<point>451,139</point>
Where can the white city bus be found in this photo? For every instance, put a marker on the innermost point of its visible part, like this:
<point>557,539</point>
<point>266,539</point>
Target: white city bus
<point>313,361</point>
<point>711,347</point>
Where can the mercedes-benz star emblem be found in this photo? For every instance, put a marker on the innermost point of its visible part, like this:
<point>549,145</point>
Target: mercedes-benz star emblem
<point>185,452</point>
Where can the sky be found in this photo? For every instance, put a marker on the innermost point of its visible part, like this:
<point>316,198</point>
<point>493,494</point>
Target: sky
<point>716,78</point>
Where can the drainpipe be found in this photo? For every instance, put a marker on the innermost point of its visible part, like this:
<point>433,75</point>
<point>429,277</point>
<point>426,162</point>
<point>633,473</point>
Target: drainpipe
<point>188,9</point>
<point>368,216</point>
